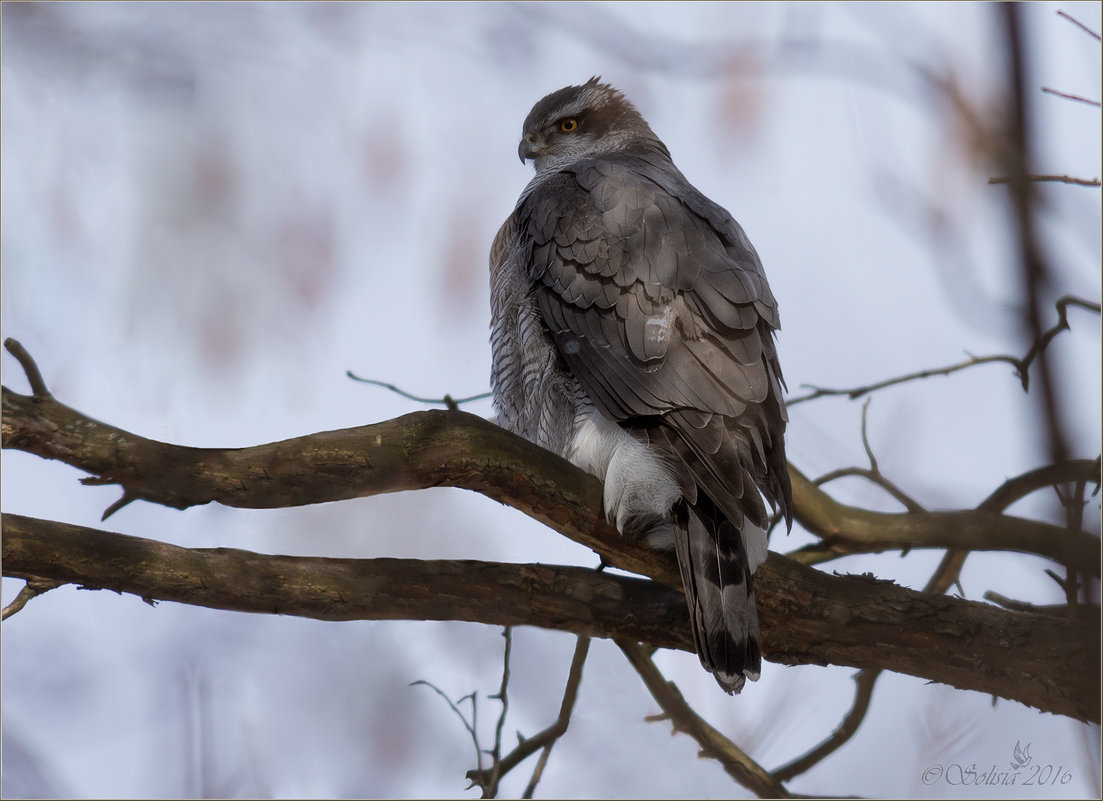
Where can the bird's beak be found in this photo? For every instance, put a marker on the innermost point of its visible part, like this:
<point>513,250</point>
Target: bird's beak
<point>529,148</point>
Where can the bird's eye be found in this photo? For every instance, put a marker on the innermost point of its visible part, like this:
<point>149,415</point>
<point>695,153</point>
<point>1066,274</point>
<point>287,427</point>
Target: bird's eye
<point>568,125</point>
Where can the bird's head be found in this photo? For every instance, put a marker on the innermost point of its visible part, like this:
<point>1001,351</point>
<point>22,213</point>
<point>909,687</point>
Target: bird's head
<point>579,121</point>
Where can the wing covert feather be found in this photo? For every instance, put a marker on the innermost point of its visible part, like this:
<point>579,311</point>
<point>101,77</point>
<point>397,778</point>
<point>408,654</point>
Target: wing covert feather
<point>658,304</point>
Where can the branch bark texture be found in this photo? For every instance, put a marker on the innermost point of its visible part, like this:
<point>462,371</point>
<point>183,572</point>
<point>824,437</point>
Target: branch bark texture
<point>457,449</point>
<point>807,616</point>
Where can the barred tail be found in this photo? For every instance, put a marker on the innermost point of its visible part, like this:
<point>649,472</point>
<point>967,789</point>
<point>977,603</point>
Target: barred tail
<point>716,573</point>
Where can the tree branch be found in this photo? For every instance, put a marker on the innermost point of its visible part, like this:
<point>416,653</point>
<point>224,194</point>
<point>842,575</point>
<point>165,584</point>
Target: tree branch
<point>863,694</point>
<point>546,738</point>
<point>807,617</point>
<point>714,745</point>
<point>1022,365</point>
<point>31,590</point>
<point>848,529</point>
<point>575,599</point>
<point>457,449</point>
<point>1057,179</point>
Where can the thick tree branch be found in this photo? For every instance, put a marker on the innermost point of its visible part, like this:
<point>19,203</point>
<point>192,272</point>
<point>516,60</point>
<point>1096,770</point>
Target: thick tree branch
<point>416,451</point>
<point>573,599</point>
<point>847,529</point>
<point>457,449</point>
<point>807,616</point>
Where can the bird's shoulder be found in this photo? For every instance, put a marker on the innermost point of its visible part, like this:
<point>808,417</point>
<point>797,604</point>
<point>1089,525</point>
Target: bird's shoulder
<point>623,222</point>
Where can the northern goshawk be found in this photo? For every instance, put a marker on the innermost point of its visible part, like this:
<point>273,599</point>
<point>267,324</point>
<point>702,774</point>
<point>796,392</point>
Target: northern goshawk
<point>633,333</point>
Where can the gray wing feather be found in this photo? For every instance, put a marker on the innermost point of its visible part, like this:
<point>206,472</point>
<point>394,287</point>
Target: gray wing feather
<point>658,304</point>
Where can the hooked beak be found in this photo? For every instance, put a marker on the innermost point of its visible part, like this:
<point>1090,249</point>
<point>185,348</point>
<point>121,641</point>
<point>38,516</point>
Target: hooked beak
<point>529,148</point>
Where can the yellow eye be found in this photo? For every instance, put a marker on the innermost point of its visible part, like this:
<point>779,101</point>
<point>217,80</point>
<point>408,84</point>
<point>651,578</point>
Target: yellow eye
<point>568,125</point>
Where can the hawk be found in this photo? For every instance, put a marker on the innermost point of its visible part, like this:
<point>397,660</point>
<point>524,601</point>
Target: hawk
<point>632,332</point>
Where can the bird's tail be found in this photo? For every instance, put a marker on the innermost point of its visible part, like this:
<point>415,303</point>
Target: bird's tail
<point>717,561</point>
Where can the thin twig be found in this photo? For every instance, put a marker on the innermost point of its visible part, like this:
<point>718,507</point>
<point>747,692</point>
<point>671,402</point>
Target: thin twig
<point>1068,96</point>
<point>865,439</point>
<point>1017,488</point>
<point>857,392</point>
<point>873,477</point>
<point>490,788</point>
<point>945,576</point>
<point>448,401</point>
<point>864,679</point>
<point>873,473</point>
<point>1079,24</point>
<point>566,707</point>
<point>1021,365</point>
<point>124,500</point>
<point>527,746</point>
<point>31,589</point>
<point>455,708</point>
<point>34,376</point>
<point>1055,179</point>
<point>1062,324</point>
<point>713,744</point>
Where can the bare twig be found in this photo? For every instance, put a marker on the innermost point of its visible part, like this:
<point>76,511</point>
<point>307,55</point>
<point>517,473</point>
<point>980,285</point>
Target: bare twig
<point>873,473</point>
<point>1079,24</point>
<point>843,530</point>
<point>34,376</point>
<point>490,787</point>
<point>1022,606</point>
<point>566,707</point>
<point>683,718</point>
<point>32,589</point>
<point>125,499</point>
<point>447,401</point>
<point>1021,365</point>
<point>874,477</point>
<point>471,726</point>
<point>545,739</point>
<point>865,438</point>
<point>1041,342</point>
<point>1017,488</point>
<point>1068,96</point>
<point>1083,472</point>
<point>864,681</point>
<point>857,392</point>
<point>1054,179</point>
<point>944,577</point>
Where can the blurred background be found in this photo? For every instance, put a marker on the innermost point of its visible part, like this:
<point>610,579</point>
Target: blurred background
<point>211,211</point>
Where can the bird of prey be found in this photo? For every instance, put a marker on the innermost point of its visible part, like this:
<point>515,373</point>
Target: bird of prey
<point>633,333</point>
